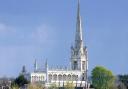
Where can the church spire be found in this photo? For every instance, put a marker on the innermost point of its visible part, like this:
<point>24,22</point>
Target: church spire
<point>78,51</point>
<point>78,8</point>
<point>78,36</point>
<point>35,65</point>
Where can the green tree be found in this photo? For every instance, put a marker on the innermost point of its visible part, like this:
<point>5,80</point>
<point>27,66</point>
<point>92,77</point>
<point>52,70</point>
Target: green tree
<point>102,78</point>
<point>20,81</point>
<point>53,86</point>
<point>14,86</point>
<point>35,86</point>
<point>69,86</point>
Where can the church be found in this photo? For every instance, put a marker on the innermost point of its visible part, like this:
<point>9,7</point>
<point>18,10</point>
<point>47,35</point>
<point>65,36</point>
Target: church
<point>76,73</point>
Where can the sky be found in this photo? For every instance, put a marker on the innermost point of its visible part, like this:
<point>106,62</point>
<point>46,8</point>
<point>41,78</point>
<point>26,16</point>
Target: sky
<point>45,29</point>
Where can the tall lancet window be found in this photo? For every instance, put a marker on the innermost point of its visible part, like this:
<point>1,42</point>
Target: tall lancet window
<point>75,65</point>
<point>83,65</point>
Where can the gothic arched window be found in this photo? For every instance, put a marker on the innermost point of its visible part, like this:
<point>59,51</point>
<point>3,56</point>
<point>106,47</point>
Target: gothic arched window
<point>60,77</point>
<point>74,77</point>
<point>75,65</point>
<point>83,65</point>
<point>69,77</point>
<point>64,77</point>
<point>50,77</point>
<point>55,77</point>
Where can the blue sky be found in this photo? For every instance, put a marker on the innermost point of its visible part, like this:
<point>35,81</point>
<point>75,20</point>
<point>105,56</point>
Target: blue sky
<point>45,29</point>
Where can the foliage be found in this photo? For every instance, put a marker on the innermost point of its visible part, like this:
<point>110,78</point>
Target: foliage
<point>69,86</point>
<point>121,86</point>
<point>35,86</point>
<point>53,86</point>
<point>102,78</point>
<point>124,79</point>
<point>14,86</point>
<point>20,81</point>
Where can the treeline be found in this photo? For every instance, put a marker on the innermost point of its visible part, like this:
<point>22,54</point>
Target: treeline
<point>101,78</point>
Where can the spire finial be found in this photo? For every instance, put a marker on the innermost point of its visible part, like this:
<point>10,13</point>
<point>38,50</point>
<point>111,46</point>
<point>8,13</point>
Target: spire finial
<point>23,69</point>
<point>46,63</point>
<point>35,65</point>
<point>78,13</point>
<point>78,38</point>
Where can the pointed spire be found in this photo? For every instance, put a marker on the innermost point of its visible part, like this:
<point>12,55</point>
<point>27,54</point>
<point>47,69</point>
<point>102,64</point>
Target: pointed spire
<point>46,68</point>
<point>78,37</point>
<point>78,8</point>
<point>23,69</point>
<point>46,63</point>
<point>35,65</point>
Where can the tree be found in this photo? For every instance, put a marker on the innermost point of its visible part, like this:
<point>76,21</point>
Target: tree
<point>14,86</point>
<point>69,86</point>
<point>102,78</point>
<point>20,81</point>
<point>124,79</point>
<point>121,86</point>
<point>35,86</point>
<point>53,86</point>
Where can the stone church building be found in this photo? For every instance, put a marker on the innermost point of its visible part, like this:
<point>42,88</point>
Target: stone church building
<point>76,73</point>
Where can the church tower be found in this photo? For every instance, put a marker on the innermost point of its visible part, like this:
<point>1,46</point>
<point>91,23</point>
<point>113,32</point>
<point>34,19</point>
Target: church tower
<point>79,59</point>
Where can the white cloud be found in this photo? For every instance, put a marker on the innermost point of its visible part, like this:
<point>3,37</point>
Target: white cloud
<point>43,34</point>
<point>18,45</point>
<point>6,29</point>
